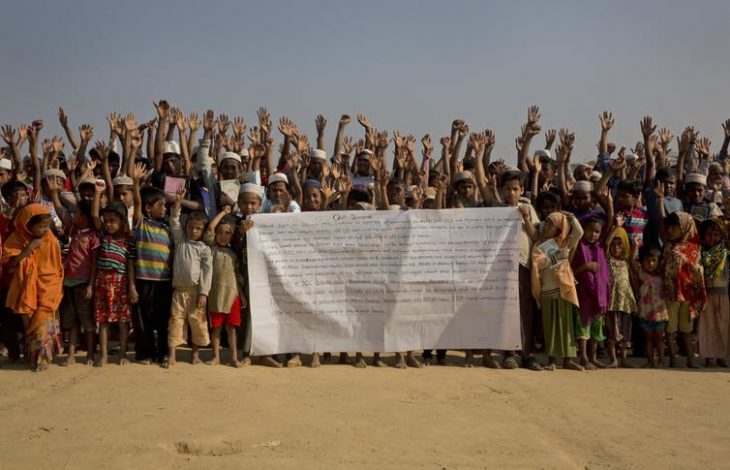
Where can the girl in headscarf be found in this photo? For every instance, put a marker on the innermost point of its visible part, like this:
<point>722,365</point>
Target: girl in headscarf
<point>591,271</point>
<point>553,286</point>
<point>714,324</point>
<point>621,297</point>
<point>684,282</point>
<point>33,255</point>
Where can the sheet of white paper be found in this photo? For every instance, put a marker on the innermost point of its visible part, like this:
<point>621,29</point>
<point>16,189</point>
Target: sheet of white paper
<point>385,281</point>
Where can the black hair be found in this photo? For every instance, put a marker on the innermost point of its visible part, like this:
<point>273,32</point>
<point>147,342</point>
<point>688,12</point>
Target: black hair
<point>547,196</point>
<point>665,173</point>
<point>397,182</point>
<point>151,196</point>
<point>113,157</point>
<point>510,175</point>
<point>197,216</point>
<point>37,219</point>
<point>631,186</point>
<point>591,218</point>
<point>116,207</point>
<point>228,220</point>
<point>144,161</point>
<point>11,187</point>
<point>358,196</point>
<point>649,249</point>
<point>84,208</point>
<point>87,185</point>
<point>672,219</point>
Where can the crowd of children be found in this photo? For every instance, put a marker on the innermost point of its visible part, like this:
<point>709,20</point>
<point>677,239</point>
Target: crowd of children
<point>617,253</point>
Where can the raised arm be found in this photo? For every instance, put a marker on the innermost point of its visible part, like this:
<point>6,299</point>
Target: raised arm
<point>607,122</point>
<point>531,129</point>
<point>320,122</point>
<point>33,133</point>
<point>163,110</point>
<point>340,137</point>
<point>63,119</point>
<point>647,129</point>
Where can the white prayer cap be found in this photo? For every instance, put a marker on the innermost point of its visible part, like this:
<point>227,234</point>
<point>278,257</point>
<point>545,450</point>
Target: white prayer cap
<point>318,154</point>
<point>170,146</point>
<point>54,172</point>
<point>366,152</point>
<point>431,192</point>
<point>543,153</point>
<point>696,178</point>
<point>582,166</point>
<point>243,153</point>
<point>252,188</point>
<point>122,181</point>
<point>278,178</point>
<point>583,186</point>
<point>230,156</point>
<point>596,175</point>
<point>463,176</point>
<point>631,156</point>
<point>6,164</point>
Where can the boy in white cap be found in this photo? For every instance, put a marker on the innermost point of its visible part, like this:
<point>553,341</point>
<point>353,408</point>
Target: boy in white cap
<point>696,203</point>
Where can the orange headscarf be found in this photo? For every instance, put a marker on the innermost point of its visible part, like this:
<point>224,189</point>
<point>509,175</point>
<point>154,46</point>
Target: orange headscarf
<point>562,271</point>
<point>37,284</point>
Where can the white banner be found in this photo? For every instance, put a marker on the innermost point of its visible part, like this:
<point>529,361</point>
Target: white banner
<point>385,281</point>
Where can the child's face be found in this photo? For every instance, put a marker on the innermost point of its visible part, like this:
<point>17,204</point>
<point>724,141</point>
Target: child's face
<point>223,234</point>
<point>124,194</point>
<point>19,198</point>
<point>617,249</point>
<point>40,229</point>
<point>80,220</point>
<point>670,186</point>
<point>650,263</point>
<point>113,223</point>
<point>547,208</point>
<point>278,191</point>
<point>625,200</point>
<point>230,169</point>
<point>396,194</point>
<point>674,232</point>
<point>592,232</point>
<point>511,192</point>
<point>712,236</point>
<point>249,203</point>
<point>156,210</point>
<point>465,189</point>
<point>695,193</point>
<point>194,229</point>
<point>582,200</point>
<point>312,199</point>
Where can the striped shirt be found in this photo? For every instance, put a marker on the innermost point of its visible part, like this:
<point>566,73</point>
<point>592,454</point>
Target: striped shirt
<point>114,253</point>
<point>153,246</point>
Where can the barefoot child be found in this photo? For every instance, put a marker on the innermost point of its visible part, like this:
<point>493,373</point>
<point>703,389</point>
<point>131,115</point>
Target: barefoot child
<point>684,282</point>
<point>77,306</point>
<point>652,301</point>
<point>553,285</point>
<point>113,272</point>
<point>191,279</point>
<point>33,255</point>
<point>591,271</point>
<point>621,297</point>
<point>714,327</point>
<point>225,298</point>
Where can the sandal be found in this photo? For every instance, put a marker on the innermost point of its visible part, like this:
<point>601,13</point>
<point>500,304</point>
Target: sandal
<point>532,363</point>
<point>510,362</point>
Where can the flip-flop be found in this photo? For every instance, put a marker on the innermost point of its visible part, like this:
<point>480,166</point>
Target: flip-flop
<point>532,363</point>
<point>510,363</point>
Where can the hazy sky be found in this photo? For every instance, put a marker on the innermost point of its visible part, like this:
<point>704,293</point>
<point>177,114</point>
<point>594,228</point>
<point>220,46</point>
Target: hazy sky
<point>408,65</point>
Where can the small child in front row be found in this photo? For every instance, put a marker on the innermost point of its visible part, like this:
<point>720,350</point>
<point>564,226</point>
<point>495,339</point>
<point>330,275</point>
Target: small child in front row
<point>112,268</point>
<point>714,327</point>
<point>621,297</point>
<point>684,282</point>
<point>226,293</point>
<point>653,312</point>
<point>191,279</point>
<point>553,285</point>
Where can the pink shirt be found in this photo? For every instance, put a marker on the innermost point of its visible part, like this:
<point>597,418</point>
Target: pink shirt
<point>78,260</point>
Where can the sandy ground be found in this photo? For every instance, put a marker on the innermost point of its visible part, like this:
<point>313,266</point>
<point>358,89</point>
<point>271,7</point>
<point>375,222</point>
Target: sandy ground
<point>194,417</point>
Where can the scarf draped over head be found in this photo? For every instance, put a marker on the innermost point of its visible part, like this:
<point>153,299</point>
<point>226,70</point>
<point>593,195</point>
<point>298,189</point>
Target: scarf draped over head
<point>713,258</point>
<point>37,284</point>
<point>593,286</point>
<point>621,234</point>
<point>683,277</point>
<point>562,271</point>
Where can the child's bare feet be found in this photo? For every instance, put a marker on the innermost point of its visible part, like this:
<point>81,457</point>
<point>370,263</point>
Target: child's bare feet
<point>246,361</point>
<point>588,365</point>
<point>510,362</point>
<point>295,361</point>
<point>549,367</point>
<point>235,363</point>
<point>171,361</point>
<point>315,361</point>
<point>468,358</point>
<point>400,362</point>
<point>104,360</point>
<point>360,361</point>
<point>214,362</point>
<point>571,365</point>
<point>488,361</point>
<point>195,358</point>
<point>377,362</point>
<point>123,361</point>
<point>89,361</point>
<point>598,364</point>
<point>612,365</point>
<point>344,358</point>
<point>70,360</point>
<point>411,361</point>
<point>269,361</point>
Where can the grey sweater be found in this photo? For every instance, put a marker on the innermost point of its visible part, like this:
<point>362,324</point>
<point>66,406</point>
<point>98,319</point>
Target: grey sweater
<point>192,262</point>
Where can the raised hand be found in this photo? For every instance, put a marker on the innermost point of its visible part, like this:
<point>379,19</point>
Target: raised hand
<point>264,120</point>
<point>239,127</point>
<point>57,144</point>
<point>427,145</point>
<point>113,119</point>
<point>8,134</point>
<point>208,121</point>
<point>610,148</point>
<point>382,139</point>
<point>62,118</point>
<point>86,132</point>
<point>22,132</point>
<point>665,136</point>
<point>463,130</point>
<point>102,150</point>
<point>366,124</point>
<point>254,135</point>
<point>410,143</point>
<point>129,122</point>
<point>193,122</point>
<point>533,115</point>
<point>703,147</point>
<point>567,138</point>
<point>136,138</point>
<point>347,145</point>
<point>398,139</point>
<point>639,148</point>
<point>163,109</point>
<point>490,140</point>
<point>37,125</point>
<point>606,120</point>
<point>726,128</point>
<point>223,124</point>
<point>181,121</point>
<point>550,135</point>
<point>286,127</point>
<point>345,120</point>
<point>138,172</point>
<point>477,140</point>
<point>646,127</point>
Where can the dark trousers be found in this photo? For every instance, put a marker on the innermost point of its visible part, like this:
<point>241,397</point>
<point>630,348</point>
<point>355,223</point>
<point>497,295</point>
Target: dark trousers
<point>11,326</point>
<point>152,315</point>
